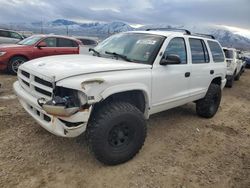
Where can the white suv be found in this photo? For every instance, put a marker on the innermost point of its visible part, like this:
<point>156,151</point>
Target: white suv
<point>112,92</point>
<point>234,65</point>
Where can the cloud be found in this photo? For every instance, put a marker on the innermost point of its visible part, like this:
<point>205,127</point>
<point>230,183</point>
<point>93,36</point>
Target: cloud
<point>226,12</point>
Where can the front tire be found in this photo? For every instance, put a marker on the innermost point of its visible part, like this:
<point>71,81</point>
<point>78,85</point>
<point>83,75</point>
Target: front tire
<point>14,63</point>
<point>208,106</point>
<point>116,132</point>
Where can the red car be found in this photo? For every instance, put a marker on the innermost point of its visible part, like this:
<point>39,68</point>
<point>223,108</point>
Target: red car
<point>11,56</point>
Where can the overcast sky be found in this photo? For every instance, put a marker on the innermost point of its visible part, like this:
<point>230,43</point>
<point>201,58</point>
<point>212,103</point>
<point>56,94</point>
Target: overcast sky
<point>225,12</point>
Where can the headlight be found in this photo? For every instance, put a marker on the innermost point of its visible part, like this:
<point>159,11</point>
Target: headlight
<point>2,53</point>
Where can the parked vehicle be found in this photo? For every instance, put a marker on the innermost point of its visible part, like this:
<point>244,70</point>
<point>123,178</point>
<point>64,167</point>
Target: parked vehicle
<point>12,56</point>
<point>10,37</point>
<point>247,60</point>
<point>130,76</point>
<point>234,65</point>
<point>88,42</point>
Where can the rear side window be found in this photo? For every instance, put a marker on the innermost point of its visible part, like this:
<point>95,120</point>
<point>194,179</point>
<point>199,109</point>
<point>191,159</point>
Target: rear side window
<point>4,34</point>
<point>216,51</point>
<point>177,46</point>
<point>199,51</point>
<point>66,43</point>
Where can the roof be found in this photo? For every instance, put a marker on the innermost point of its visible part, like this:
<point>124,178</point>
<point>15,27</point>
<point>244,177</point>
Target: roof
<point>59,36</point>
<point>169,33</point>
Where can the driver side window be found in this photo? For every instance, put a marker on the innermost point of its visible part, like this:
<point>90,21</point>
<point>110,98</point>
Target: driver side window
<point>177,46</point>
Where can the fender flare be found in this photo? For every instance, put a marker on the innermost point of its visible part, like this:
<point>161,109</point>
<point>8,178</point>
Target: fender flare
<point>129,87</point>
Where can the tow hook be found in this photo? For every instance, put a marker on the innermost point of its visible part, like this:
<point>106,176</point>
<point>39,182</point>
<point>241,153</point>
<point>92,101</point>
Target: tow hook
<point>58,106</point>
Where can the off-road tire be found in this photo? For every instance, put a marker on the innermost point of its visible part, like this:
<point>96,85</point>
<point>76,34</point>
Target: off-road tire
<point>208,106</point>
<point>230,83</point>
<point>12,65</point>
<point>116,132</point>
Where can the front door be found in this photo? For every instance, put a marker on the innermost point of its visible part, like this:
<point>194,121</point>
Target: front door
<point>170,84</point>
<point>50,49</point>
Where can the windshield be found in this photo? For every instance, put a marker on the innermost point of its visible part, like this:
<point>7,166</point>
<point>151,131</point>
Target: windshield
<point>229,53</point>
<point>133,47</point>
<point>30,40</point>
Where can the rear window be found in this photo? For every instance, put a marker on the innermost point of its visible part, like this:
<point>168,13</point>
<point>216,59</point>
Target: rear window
<point>66,43</point>
<point>229,53</point>
<point>199,51</point>
<point>216,51</point>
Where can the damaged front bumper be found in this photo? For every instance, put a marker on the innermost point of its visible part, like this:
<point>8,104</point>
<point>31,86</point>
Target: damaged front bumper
<point>71,126</point>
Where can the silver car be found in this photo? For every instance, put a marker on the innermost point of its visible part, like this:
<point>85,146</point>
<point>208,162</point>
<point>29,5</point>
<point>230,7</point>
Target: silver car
<point>9,37</point>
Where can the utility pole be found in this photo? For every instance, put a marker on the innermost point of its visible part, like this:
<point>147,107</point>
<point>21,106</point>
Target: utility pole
<point>67,30</point>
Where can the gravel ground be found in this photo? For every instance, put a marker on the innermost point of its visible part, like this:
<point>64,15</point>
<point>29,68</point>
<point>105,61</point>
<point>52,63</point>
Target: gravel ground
<point>181,150</point>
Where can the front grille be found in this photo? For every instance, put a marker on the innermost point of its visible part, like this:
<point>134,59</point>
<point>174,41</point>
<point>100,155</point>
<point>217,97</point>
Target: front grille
<point>43,91</point>
<point>35,85</point>
<point>43,82</point>
<point>26,83</point>
<point>26,74</point>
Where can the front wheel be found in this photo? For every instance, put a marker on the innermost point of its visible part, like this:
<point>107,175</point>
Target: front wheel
<point>208,106</point>
<point>14,63</point>
<point>116,132</point>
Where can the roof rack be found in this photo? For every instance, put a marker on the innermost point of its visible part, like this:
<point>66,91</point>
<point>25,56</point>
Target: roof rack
<point>170,29</point>
<point>204,35</point>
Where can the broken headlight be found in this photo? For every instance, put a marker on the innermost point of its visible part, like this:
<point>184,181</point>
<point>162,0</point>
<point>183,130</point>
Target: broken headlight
<point>65,102</point>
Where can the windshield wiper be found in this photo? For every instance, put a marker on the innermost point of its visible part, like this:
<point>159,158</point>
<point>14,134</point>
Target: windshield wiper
<point>96,52</point>
<point>119,55</point>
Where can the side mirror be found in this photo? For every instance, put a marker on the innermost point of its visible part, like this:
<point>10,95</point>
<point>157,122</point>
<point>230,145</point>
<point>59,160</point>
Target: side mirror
<point>41,45</point>
<point>171,60</point>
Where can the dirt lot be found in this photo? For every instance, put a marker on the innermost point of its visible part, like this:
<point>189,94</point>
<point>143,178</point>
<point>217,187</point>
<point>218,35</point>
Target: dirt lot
<point>181,150</point>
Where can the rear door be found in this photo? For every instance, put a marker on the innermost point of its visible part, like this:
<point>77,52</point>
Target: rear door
<point>66,46</point>
<point>202,72</point>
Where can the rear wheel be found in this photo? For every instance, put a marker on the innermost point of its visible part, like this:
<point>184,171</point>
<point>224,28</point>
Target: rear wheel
<point>230,82</point>
<point>237,77</point>
<point>14,63</point>
<point>116,132</point>
<point>208,106</point>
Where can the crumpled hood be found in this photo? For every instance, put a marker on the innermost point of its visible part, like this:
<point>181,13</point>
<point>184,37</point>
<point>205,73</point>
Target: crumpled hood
<point>65,66</point>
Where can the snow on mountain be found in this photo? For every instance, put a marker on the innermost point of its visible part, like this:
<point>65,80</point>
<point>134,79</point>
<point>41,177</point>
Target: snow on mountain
<point>225,35</point>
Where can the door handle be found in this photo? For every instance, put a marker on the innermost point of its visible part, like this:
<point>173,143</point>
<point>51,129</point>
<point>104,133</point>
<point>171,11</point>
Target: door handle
<point>187,74</point>
<point>211,71</point>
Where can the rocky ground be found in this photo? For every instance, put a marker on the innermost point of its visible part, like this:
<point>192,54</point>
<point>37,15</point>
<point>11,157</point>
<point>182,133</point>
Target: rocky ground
<point>181,150</point>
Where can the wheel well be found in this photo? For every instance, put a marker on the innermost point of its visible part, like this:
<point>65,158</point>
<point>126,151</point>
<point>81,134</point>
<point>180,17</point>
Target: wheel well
<point>217,81</point>
<point>17,55</point>
<point>134,97</point>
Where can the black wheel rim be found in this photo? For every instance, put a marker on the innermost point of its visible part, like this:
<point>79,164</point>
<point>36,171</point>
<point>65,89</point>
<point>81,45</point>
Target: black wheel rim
<point>120,135</point>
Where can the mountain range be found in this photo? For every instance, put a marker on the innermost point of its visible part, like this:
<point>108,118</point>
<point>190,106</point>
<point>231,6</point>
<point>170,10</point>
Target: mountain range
<point>224,35</point>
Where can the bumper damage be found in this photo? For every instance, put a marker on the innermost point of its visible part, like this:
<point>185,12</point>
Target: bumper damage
<point>57,119</point>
